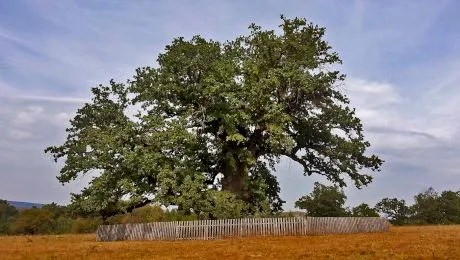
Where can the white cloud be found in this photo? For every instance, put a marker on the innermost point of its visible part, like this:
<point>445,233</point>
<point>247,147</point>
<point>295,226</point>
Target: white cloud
<point>397,121</point>
<point>70,100</point>
<point>28,116</point>
<point>372,94</point>
<point>61,119</point>
<point>378,106</point>
<point>441,102</point>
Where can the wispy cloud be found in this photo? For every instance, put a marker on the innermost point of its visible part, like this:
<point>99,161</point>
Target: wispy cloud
<point>5,36</point>
<point>71,100</point>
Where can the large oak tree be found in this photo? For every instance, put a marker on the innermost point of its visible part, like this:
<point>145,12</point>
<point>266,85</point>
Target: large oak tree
<point>208,123</point>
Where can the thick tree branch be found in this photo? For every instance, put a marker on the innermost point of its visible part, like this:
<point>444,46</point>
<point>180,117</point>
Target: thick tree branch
<point>306,167</point>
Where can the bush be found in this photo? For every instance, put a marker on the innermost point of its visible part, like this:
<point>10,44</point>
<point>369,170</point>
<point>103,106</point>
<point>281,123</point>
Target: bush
<point>85,225</point>
<point>119,219</point>
<point>33,221</point>
<point>7,215</point>
<point>148,214</point>
<point>175,215</point>
<point>144,214</point>
<point>226,206</point>
<point>63,225</point>
<point>5,228</point>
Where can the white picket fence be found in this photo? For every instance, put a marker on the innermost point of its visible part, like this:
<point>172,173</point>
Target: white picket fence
<point>217,229</point>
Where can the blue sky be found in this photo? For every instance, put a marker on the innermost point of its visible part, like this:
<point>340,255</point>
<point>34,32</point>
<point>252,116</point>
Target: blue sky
<point>402,59</point>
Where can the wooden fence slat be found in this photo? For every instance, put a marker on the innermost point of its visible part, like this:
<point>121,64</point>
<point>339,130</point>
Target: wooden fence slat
<point>205,229</point>
<point>218,229</point>
<point>197,229</point>
<point>192,230</point>
<point>230,227</point>
<point>188,231</point>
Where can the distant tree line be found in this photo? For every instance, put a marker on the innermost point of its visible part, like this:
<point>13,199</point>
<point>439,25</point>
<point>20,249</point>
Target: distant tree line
<point>430,206</point>
<point>57,219</point>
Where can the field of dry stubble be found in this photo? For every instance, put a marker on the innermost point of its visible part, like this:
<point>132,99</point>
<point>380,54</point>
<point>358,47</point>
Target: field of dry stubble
<point>427,242</point>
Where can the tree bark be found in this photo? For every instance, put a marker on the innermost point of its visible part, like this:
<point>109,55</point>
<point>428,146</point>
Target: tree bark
<point>235,178</point>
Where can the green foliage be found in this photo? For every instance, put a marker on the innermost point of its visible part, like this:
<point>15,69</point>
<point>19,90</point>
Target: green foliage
<point>427,208</point>
<point>263,192</point>
<point>33,221</point>
<point>225,205</point>
<point>215,109</point>
<point>85,225</point>
<point>430,207</point>
<point>212,204</point>
<point>450,206</point>
<point>5,228</point>
<point>363,210</point>
<point>7,215</point>
<point>62,225</point>
<point>149,214</point>
<point>52,219</point>
<point>395,210</point>
<point>57,210</point>
<point>324,201</point>
<point>176,215</point>
<point>96,200</point>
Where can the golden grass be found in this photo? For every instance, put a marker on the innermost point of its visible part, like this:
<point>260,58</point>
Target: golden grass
<point>429,242</point>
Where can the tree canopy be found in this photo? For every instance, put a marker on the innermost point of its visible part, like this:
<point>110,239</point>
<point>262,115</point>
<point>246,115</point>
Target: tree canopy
<point>33,221</point>
<point>7,214</point>
<point>324,201</point>
<point>364,210</point>
<point>216,117</point>
<point>430,207</point>
<point>395,210</point>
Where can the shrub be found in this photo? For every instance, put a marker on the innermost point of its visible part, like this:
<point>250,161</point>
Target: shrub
<point>33,221</point>
<point>85,225</point>
<point>7,215</point>
<point>63,225</point>
<point>148,214</point>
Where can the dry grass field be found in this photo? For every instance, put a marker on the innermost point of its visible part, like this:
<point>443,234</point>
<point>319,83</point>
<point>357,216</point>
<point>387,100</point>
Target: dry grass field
<point>430,242</point>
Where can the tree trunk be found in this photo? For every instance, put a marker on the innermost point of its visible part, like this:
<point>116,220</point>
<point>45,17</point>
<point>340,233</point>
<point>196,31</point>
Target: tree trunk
<point>235,177</point>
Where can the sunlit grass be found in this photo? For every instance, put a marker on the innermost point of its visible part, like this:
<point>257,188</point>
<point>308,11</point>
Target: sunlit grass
<point>438,242</point>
